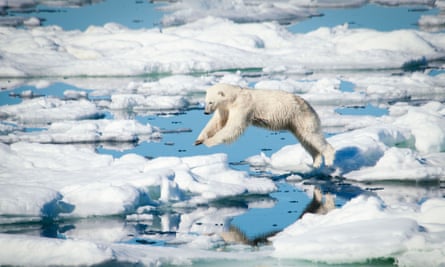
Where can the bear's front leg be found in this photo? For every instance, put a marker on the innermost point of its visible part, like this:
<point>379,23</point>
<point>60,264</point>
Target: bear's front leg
<point>236,123</point>
<point>212,142</point>
<point>209,130</point>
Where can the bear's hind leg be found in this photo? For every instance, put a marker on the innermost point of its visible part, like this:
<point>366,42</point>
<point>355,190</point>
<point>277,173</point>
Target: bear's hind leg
<point>317,157</point>
<point>317,161</point>
<point>317,146</point>
<point>329,155</point>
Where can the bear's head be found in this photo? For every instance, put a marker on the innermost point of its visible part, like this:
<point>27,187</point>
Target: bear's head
<point>219,96</point>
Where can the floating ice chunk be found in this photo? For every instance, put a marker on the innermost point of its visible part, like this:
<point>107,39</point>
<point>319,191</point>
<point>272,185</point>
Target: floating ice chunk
<point>380,152</point>
<point>32,22</point>
<point>354,150</point>
<point>149,102</point>
<point>37,251</point>
<point>14,200</point>
<point>102,198</point>
<point>426,123</point>
<point>332,4</point>
<point>338,237</point>
<point>210,177</point>
<point>432,214</point>
<point>410,139</point>
<point>87,131</point>
<point>77,182</point>
<point>75,94</point>
<point>243,11</point>
<point>432,22</point>
<point>115,50</point>
<point>415,86</point>
<point>399,164</point>
<point>238,11</point>
<point>46,110</point>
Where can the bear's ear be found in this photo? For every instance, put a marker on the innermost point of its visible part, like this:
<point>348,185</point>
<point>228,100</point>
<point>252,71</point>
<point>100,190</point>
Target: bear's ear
<point>221,93</point>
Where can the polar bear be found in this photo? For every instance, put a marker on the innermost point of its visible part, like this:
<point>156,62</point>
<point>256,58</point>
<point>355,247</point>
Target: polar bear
<point>235,108</point>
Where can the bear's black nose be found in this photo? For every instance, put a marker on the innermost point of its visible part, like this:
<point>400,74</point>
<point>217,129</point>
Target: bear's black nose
<point>206,112</point>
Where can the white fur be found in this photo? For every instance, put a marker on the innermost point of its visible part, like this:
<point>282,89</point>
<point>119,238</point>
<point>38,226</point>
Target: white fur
<point>235,108</point>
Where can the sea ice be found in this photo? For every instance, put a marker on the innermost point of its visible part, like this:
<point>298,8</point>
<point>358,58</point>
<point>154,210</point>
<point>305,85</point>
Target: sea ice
<point>113,49</point>
<point>400,147</point>
<point>87,131</point>
<point>70,184</point>
<point>410,236</point>
<point>340,236</point>
<point>47,110</point>
<point>243,11</point>
<point>37,251</point>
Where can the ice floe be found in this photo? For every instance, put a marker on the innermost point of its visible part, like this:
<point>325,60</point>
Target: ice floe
<point>47,109</point>
<point>48,251</point>
<point>243,11</point>
<point>87,131</point>
<point>365,229</point>
<point>113,49</point>
<point>405,145</point>
<point>69,183</point>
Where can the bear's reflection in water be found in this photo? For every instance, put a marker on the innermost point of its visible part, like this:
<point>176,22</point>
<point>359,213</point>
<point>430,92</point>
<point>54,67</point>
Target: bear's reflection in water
<point>234,235</point>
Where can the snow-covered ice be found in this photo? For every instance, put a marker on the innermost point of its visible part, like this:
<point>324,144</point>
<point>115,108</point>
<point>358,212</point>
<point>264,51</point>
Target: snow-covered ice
<point>50,252</point>
<point>70,185</point>
<point>285,12</point>
<point>364,229</point>
<point>113,49</point>
<point>406,145</point>
<point>46,110</point>
<point>134,209</point>
<point>87,131</point>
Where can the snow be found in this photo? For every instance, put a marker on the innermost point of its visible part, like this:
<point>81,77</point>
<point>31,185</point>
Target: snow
<point>337,237</point>
<point>407,145</point>
<point>50,252</point>
<point>113,49</point>
<point>361,230</point>
<point>87,131</point>
<point>47,109</point>
<point>122,185</point>
<point>244,11</point>
<point>98,205</point>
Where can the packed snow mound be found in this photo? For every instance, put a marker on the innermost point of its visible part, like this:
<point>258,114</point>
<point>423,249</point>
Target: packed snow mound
<point>87,131</point>
<point>69,184</point>
<point>364,229</point>
<point>50,252</point>
<point>113,49</point>
<point>48,109</point>
<point>407,145</point>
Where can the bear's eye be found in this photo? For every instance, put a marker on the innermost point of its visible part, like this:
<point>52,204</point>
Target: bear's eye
<point>210,103</point>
